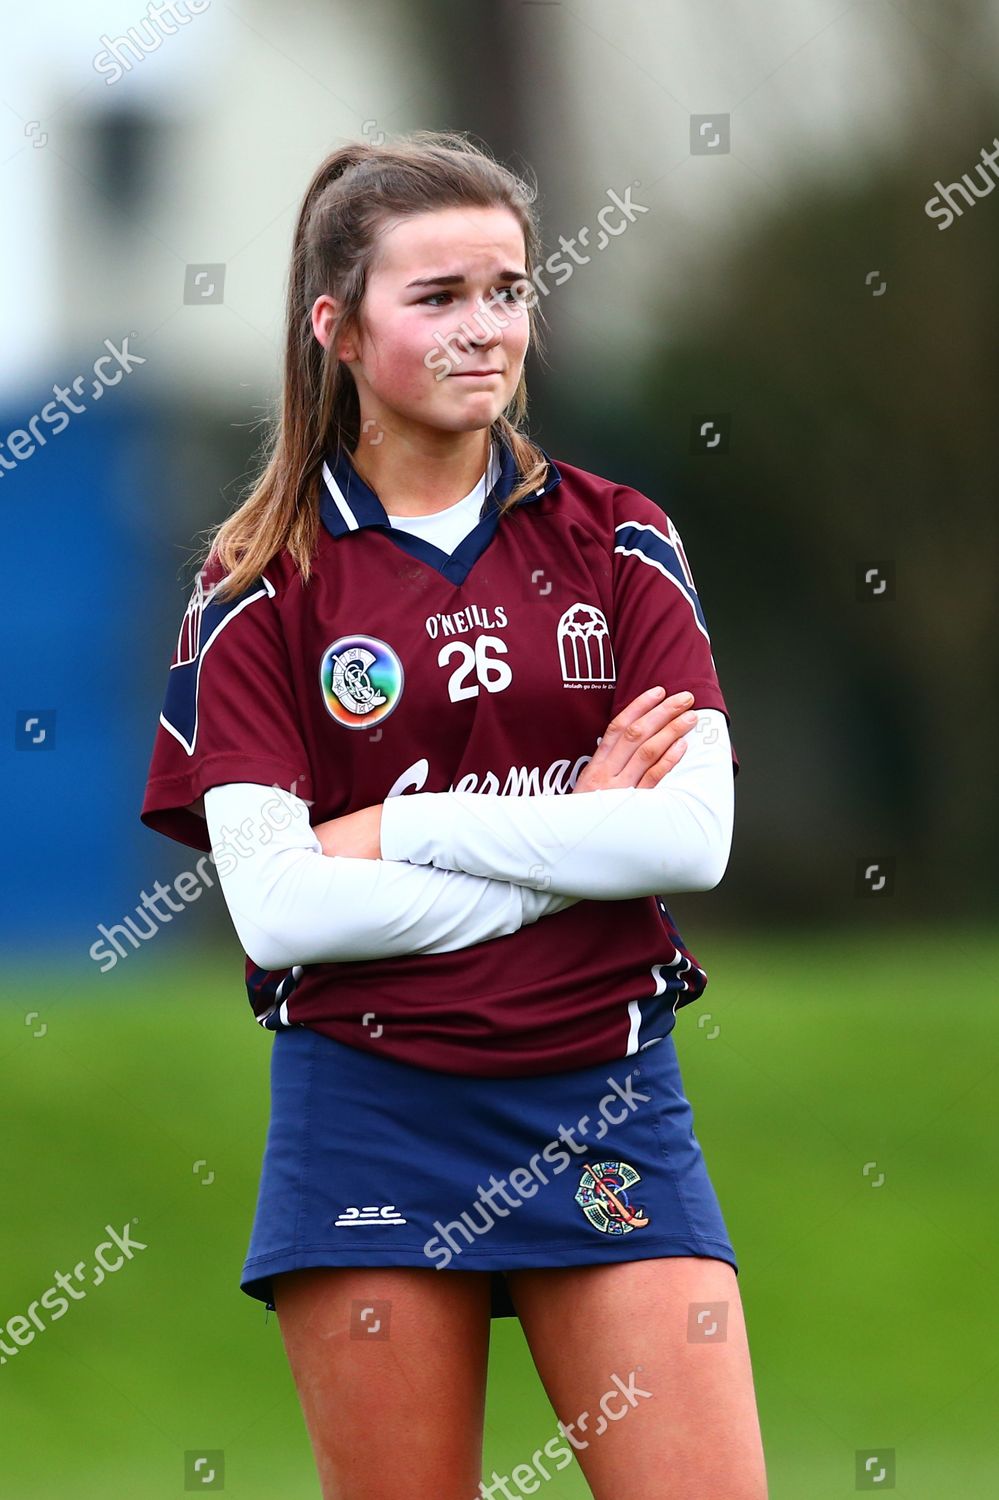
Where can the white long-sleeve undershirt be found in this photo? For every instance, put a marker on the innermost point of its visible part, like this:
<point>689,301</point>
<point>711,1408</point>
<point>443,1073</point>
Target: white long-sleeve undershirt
<point>291,904</point>
<point>608,845</point>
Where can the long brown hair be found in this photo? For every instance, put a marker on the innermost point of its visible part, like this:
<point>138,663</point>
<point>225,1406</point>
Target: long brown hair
<point>353,192</point>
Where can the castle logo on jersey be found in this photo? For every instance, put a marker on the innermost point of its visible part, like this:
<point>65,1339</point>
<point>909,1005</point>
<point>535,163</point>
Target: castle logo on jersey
<point>584,645</point>
<point>361,679</point>
<point>604,1197</point>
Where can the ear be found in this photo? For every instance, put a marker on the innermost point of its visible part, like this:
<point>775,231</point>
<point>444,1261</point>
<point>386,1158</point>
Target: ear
<point>324,313</point>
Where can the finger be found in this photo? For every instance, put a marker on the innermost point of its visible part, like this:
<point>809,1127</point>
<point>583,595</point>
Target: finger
<point>664,763</point>
<point>643,713</point>
<point>647,763</point>
<point>638,706</point>
<point>628,715</point>
<point>627,733</point>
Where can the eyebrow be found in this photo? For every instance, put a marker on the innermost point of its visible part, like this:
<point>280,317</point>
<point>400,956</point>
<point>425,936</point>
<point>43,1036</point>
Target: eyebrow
<point>454,278</point>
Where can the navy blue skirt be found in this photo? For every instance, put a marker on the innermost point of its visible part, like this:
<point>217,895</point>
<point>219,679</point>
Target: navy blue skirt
<point>373,1162</point>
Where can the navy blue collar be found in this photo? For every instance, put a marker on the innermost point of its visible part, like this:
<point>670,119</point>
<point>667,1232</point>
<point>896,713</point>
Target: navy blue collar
<point>347,503</point>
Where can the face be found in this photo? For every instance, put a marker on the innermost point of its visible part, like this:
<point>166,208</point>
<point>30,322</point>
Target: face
<point>444,333</point>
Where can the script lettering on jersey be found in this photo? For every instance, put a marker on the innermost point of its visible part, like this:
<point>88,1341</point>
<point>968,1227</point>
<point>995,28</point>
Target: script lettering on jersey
<point>557,779</point>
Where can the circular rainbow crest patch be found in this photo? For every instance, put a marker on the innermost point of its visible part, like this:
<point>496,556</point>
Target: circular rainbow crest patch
<point>361,679</point>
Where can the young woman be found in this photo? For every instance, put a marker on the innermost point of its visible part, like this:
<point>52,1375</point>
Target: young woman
<point>430,708</point>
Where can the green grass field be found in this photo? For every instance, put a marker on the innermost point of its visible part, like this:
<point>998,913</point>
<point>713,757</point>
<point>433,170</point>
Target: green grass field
<point>870,1308</point>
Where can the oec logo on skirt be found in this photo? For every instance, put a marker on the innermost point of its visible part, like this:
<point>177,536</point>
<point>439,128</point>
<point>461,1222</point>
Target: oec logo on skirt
<point>603,1196</point>
<point>361,678</point>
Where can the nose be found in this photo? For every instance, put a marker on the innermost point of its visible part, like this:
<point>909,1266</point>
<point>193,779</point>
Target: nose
<point>482,330</point>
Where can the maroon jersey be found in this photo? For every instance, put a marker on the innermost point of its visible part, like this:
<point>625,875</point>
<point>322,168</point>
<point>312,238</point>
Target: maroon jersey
<point>496,668</point>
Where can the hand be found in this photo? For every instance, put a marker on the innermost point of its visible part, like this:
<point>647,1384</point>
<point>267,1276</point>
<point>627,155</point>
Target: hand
<point>356,835</point>
<point>641,744</point>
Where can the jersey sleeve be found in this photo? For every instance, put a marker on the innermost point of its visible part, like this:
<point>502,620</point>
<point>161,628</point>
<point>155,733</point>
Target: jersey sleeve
<point>229,711</point>
<point>660,634</point>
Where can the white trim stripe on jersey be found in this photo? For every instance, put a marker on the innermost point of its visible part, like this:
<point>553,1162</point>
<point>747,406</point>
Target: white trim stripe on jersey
<point>202,603</point>
<point>646,555</point>
<point>339,499</point>
<point>634,1006</point>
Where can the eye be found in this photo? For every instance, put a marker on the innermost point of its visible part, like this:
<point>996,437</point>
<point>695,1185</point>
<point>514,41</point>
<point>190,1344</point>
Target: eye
<point>506,293</point>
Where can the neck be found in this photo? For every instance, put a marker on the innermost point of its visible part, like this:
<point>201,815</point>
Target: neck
<point>421,478</point>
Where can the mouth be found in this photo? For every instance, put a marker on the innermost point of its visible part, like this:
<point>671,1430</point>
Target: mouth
<point>474,374</point>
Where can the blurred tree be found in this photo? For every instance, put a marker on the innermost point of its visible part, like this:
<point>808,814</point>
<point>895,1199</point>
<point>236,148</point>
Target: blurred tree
<point>849,344</point>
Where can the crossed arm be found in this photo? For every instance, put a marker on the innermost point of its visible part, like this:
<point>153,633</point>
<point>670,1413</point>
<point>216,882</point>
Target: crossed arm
<point>607,845</point>
<point>435,872</point>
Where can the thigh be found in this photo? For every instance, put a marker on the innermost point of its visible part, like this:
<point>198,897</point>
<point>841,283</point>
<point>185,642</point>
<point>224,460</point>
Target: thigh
<point>648,1361</point>
<point>390,1366</point>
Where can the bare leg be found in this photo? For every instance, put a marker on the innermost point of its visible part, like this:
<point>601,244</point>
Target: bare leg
<point>696,1432</point>
<point>393,1401</point>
